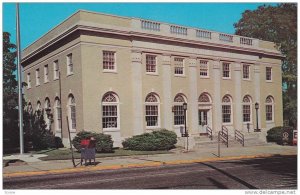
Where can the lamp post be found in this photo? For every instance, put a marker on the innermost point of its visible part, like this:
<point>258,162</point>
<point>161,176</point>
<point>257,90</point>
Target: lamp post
<point>256,108</point>
<point>185,130</point>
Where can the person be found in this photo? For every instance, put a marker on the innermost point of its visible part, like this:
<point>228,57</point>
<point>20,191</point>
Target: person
<point>84,145</point>
<point>91,150</point>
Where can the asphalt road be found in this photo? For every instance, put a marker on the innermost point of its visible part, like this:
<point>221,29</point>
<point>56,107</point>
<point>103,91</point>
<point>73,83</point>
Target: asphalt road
<point>279,172</point>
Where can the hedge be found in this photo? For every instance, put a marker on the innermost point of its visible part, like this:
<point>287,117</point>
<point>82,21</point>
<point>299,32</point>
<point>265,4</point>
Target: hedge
<point>156,140</point>
<point>104,142</point>
<point>275,134</point>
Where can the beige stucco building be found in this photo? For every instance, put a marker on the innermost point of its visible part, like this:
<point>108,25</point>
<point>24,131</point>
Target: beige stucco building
<point>126,76</point>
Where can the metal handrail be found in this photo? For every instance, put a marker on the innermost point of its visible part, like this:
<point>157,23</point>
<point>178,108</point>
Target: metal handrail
<point>209,132</point>
<point>239,137</point>
<point>224,135</point>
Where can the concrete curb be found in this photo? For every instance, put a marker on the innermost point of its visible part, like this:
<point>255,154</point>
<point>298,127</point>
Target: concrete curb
<point>114,167</point>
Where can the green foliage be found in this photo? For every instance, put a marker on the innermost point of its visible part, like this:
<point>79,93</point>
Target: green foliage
<point>277,24</point>
<point>104,142</point>
<point>156,140</point>
<point>275,134</point>
<point>37,136</point>
<point>10,96</point>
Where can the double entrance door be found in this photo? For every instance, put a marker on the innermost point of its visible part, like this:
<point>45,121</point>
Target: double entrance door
<point>204,119</point>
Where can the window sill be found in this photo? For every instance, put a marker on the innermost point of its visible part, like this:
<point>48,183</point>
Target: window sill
<point>111,129</point>
<point>152,127</point>
<point>245,123</point>
<point>152,74</point>
<point>109,71</point>
<point>73,130</point>
<point>180,75</point>
<point>46,82</point>
<point>226,78</point>
<point>178,126</point>
<point>70,74</point>
<point>246,79</point>
<point>37,85</point>
<point>28,88</point>
<point>227,124</point>
<point>54,79</point>
<point>270,122</point>
<point>204,77</point>
<point>269,81</point>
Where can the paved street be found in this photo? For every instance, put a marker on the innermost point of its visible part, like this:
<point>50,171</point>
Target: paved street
<point>277,172</point>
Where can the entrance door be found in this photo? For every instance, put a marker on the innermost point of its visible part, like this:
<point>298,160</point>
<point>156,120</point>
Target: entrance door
<point>203,120</point>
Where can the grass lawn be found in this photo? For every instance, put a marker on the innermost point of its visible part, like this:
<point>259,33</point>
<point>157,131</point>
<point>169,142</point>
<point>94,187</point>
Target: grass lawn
<point>65,153</point>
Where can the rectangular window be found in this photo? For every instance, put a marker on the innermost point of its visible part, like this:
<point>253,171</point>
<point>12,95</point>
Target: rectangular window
<point>151,115</point>
<point>69,64</point>
<point>109,116</point>
<point>28,81</point>
<point>37,77</point>
<point>246,113</point>
<point>226,70</point>
<point>73,116</point>
<point>55,70</point>
<point>150,63</point>
<point>246,71</point>
<point>46,73</point>
<point>109,62</point>
<point>269,113</point>
<point>226,113</point>
<point>179,66</point>
<point>268,73</point>
<point>203,68</point>
<point>58,111</point>
<point>178,115</point>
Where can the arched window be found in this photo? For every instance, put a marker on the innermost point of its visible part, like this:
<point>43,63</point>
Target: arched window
<point>204,99</point>
<point>38,105</point>
<point>72,112</point>
<point>247,109</point>
<point>110,111</point>
<point>29,108</point>
<point>57,114</point>
<point>269,108</point>
<point>152,110</point>
<point>46,106</point>
<point>178,109</point>
<point>226,109</point>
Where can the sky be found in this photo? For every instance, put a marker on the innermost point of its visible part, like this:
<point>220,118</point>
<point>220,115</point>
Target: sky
<point>36,19</point>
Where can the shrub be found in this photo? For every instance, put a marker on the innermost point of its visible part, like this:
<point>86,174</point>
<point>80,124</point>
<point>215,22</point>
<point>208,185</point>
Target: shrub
<point>275,134</point>
<point>156,140</point>
<point>104,142</point>
<point>58,142</point>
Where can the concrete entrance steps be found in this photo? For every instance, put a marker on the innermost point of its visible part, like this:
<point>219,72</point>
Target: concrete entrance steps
<point>251,139</point>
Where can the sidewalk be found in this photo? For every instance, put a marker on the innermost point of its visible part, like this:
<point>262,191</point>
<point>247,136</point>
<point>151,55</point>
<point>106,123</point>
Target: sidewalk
<point>33,166</point>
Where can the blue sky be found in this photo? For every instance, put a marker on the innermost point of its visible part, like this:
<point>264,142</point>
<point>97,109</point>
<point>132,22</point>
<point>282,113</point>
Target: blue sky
<point>38,18</point>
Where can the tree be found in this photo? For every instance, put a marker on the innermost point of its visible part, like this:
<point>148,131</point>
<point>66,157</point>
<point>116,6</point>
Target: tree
<point>10,95</point>
<point>9,79</point>
<point>277,24</point>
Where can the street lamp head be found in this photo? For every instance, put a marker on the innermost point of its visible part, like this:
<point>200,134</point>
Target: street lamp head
<point>184,106</point>
<point>256,105</point>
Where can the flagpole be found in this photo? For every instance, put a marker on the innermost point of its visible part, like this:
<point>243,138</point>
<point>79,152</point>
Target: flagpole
<point>20,82</point>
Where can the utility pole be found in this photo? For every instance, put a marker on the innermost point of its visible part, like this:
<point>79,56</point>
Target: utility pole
<point>19,81</point>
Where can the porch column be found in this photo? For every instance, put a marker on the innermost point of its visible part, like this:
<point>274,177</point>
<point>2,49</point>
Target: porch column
<point>257,96</point>
<point>136,67</point>
<point>217,111</point>
<point>237,101</point>
<point>167,99</point>
<point>193,100</point>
